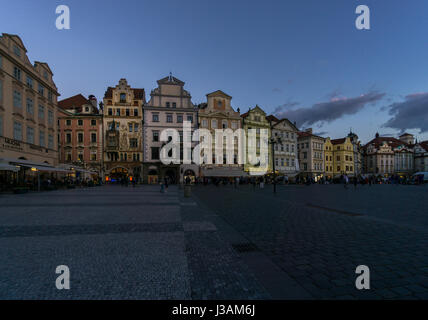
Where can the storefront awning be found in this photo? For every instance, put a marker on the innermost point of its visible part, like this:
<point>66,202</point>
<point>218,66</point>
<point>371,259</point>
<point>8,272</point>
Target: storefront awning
<point>224,172</point>
<point>47,169</point>
<point>8,167</point>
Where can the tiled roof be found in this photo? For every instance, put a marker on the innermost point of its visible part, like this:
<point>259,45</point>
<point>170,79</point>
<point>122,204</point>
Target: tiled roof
<point>303,134</point>
<point>424,144</point>
<point>338,141</point>
<point>73,102</point>
<point>272,118</point>
<point>138,93</point>
<point>393,142</point>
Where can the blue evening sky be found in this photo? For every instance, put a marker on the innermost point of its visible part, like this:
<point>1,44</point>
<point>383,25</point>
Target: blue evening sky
<point>299,53</point>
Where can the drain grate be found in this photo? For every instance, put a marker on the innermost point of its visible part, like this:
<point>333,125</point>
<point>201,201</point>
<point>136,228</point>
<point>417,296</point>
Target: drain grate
<point>245,247</point>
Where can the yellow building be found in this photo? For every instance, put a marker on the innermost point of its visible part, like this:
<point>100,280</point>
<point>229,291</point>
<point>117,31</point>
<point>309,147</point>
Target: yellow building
<point>339,157</point>
<point>123,138</point>
<point>28,115</point>
<point>256,119</point>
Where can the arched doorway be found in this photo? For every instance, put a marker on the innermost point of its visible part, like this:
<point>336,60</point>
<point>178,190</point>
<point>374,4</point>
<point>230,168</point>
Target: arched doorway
<point>153,177</point>
<point>189,174</point>
<point>118,174</point>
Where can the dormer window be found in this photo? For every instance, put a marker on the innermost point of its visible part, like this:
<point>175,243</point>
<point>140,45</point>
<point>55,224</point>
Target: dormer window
<point>45,75</point>
<point>122,97</point>
<point>16,50</point>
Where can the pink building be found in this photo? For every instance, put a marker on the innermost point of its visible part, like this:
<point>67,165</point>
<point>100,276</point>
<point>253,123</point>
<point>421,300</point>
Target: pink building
<point>80,137</point>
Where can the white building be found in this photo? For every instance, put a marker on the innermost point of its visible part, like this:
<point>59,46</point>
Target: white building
<point>286,161</point>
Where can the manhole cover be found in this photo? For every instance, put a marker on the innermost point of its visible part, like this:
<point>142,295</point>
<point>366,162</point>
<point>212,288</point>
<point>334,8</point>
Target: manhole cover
<point>244,247</point>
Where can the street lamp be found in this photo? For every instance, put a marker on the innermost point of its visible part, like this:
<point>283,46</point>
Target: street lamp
<point>272,141</point>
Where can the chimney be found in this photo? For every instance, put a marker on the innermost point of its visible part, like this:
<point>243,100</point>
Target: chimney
<point>93,101</point>
<point>309,130</point>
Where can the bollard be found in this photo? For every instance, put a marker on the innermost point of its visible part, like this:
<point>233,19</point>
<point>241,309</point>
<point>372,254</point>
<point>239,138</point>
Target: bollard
<point>187,190</point>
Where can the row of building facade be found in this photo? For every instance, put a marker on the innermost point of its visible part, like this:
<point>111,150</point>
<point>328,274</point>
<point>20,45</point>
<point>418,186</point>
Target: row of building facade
<point>120,137</point>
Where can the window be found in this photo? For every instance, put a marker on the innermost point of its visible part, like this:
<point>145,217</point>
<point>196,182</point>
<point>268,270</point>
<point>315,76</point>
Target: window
<point>1,61</point>
<point>122,97</point>
<point>338,158</point>
<point>93,122</point>
<point>17,73</point>
<point>155,136</point>
<point>205,123</point>
<point>68,138</point>
<point>169,117</point>
<point>234,125</point>
<point>68,122</point>
<point>1,90</point>
<point>30,135</point>
<point>30,107</point>
<point>41,89</point>
<point>93,137</point>
<point>17,99</point>
<point>180,118</point>
<point>155,117</point>
<point>16,50</point>
<point>80,122</point>
<point>45,75</point>
<point>110,111</point>
<point>224,124</point>
<point>135,112</point>
<point>50,97</point>
<point>42,138</point>
<point>50,141</point>
<point>50,117</point>
<point>80,137</point>
<point>167,104</point>
<point>155,153</point>
<point>93,156</point>
<point>133,143</point>
<point>130,127</point>
<point>136,127</point>
<point>80,156</point>
<point>214,124</point>
<point>174,105</point>
<point>1,125</point>
<point>68,157</point>
<point>29,82</point>
<point>118,112</point>
<point>338,168</point>
<point>127,113</point>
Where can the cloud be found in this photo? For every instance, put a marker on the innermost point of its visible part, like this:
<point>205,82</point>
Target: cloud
<point>412,113</point>
<point>289,104</point>
<point>329,111</point>
<point>277,90</point>
<point>322,133</point>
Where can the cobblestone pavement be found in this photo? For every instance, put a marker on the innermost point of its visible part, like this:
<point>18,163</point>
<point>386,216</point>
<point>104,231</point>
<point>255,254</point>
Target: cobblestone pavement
<point>319,234</point>
<point>222,243</point>
<point>119,243</point>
